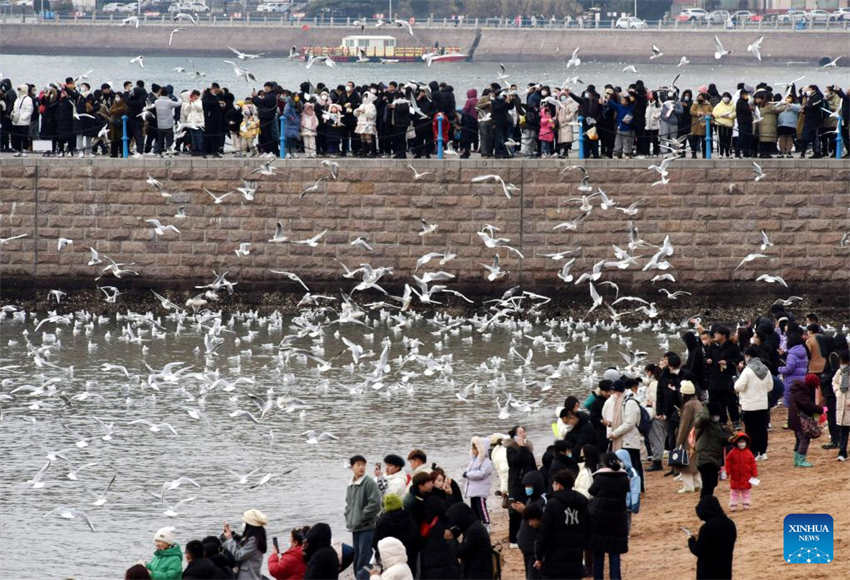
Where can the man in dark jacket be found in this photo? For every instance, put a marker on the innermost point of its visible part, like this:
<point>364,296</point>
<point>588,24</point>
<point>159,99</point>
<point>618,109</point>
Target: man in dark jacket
<point>581,431</point>
<point>667,401</point>
<point>604,391</point>
<point>474,549</point>
<point>136,98</point>
<point>715,544</point>
<point>214,125</point>
<point>398,111</point>
<point>501,105</point>
<point>591,109</point>
<point>721,362</point>
<point>199,567</point>
<point>221,559</point>
<point>266,103</point>
<point>563,532</point>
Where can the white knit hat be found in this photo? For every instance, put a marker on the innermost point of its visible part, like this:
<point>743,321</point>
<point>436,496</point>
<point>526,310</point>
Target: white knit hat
<point>687,388</point>
<point>167,535</point>
<point>255,518</point>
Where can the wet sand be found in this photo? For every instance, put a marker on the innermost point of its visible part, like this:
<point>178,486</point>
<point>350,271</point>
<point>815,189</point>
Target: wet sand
<point>657,545</point>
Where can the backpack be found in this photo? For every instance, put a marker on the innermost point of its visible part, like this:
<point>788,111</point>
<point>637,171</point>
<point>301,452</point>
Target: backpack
<point>645,420</point>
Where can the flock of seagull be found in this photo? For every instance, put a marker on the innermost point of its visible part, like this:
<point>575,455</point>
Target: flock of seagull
<point>329,339</point>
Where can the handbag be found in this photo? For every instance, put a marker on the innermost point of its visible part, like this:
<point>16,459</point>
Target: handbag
<point>810,427</point>
<point>679,457</point>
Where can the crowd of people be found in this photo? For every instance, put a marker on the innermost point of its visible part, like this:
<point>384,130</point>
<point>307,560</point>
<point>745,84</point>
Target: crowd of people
<point>570,509</point>
<point>397,120</point>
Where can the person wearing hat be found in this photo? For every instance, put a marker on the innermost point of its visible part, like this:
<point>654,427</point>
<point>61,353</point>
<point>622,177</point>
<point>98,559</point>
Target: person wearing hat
<point>396,522</point>
<point>395,481</point>
<point>741,467</point>
<point>478,476</point>
<point>711,438</point>
<point>248,549</point>
<point>167,561</point>
<point>691,408</point>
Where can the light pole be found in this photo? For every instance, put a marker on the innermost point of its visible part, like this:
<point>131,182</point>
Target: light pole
<point>635,8</point>
<point>390,12</point>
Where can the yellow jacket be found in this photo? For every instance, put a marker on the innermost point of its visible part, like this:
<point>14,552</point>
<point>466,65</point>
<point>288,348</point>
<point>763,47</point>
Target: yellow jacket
<point>724,114</point>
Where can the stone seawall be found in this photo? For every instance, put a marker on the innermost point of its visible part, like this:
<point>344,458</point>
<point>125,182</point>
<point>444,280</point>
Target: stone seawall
<point>712,210</point>
<point>495,44</point>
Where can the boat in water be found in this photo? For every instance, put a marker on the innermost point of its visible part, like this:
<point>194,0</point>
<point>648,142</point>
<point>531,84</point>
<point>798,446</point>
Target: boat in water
<point>384,49</point>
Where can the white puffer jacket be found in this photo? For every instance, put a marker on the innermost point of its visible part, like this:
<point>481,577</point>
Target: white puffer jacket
<point>192,112</point>
<point>752,390</point>
<point>626,434</point>
<point>394,560</point>
<point>22,109</point>
<point>366,114</point>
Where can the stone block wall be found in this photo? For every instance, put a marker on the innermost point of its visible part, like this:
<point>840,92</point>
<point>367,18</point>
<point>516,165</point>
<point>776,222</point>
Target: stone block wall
<point>713,212</point>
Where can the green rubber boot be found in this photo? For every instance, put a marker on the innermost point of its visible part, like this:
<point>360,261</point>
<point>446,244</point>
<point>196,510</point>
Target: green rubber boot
<point>803,462</point>
<point>796,459</point>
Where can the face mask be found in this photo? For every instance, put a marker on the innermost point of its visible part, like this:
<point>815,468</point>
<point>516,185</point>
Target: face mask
<point>544,93</point>
<point>726,99</point>
<point>563,99</point>
<point>529,491</point>
<point>742,444</point>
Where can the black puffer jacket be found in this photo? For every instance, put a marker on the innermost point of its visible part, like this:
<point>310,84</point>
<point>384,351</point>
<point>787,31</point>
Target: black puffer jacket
<point>321,558</point>
<point>715,544</point>
<point>609,530</point>
<point>474,550</point>
<point>527,536</point>
<point>580,435</point>
<point>563,535</point>
<point>398,524</point>
<point>520,461</point>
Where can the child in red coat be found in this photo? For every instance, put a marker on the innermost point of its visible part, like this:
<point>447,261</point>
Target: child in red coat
<point>741,468</point>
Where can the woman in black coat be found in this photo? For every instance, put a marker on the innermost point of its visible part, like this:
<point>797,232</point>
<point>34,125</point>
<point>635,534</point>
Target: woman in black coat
<point>65,123</point>
<point>609,527</point>
<point>437,556</point>
<point>396,522</point>
<point>716,541</point>
<point>520,461</point>
<point>321,558</point>
<point>474,550</point>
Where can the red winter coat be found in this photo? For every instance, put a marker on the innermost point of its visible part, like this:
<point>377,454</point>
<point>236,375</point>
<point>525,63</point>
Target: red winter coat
<point>289,566</point>
<point>740,467</point>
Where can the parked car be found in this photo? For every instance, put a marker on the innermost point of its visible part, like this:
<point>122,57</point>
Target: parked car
<point>719,17</point>
<point>745,16</point>
<point>129,8</point>
<point>819,16</point>
<point>840,15</point>
<point>631,22</point>
<point>692,15</point>
<point>792,17</point>
<point>195,7</point>
<point>273,7</point>
<point>111,7</point>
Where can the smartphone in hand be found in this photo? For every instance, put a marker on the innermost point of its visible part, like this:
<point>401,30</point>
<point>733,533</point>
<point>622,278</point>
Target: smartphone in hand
<point>276,546</point>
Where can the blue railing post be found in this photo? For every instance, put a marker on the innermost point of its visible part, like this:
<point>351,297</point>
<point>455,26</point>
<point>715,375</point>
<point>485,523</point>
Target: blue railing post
<point>440,136</point>
<point>708,136</point>
<point>839,140</point>
<point>283,137</point>
<point>125,139</point>
<point>581,137</point>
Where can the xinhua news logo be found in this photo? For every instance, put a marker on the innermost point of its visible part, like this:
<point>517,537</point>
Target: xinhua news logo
<point>809,539</point>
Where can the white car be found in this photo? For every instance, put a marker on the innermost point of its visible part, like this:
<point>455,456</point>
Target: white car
<point>819,16</point>
<point>273,7</point>
<point>692,15</point>
<point>841,14</point>
<point>129,8</point>
<point>188,7</point>
<point>111,7</point>
<point>630,22</point>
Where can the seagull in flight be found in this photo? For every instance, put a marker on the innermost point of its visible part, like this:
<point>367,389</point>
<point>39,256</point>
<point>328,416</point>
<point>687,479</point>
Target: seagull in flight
<point>217,199</point>
<point>765,241</point>
<point>574,60</point>
<point>719,50</point>
<point>507,188</point>
<point>749,258</point>
<point>312,242</point>
<point>279,235</point>
<point>683,62</point>
<point>139,60</point>
<point>291,276</point>
<point>246,56</point>
<point>833,63</point>
<point>755,47</point>
<point>69,514</point>
<point>171,36</point>
<point>417,175</point>
<point>759,174</point>
<point>771,279</point>
<point>159,229</point>
<point>630,68</point>
<point>656,52</point>
<point>313,438</point>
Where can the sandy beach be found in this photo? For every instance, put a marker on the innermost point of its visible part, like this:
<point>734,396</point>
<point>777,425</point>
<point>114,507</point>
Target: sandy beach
<point>658,546</point>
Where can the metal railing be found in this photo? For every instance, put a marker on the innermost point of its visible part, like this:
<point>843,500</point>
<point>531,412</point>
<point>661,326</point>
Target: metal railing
<point>267,19</point>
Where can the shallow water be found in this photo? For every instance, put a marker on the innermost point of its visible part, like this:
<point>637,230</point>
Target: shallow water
<point>421,412</point>
<point>43,69</point>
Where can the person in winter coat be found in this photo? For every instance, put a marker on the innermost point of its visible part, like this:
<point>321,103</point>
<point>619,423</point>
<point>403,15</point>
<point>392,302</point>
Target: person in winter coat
<point>624,429</point>
<point>567,116</point>
<point>167,561</point>
<point>633,498</point>
<point>715,544</point>
<point>248,549</point>
<point>753,386</point>
<point>723,116</point>
<point>527,535</point>
<point>741,468</point>
<point>199,567</point>
<point>564,531</point>
<point>588,463</point>
<point>653,124</point>
<point>474,549</point>
<point>478,474</point>
<point>671,108</point>
<point>625,114</point>
<point>137,572</point>
<point>520,461</point>
<point>768,111</point>
<point>192,118</point>
<point>292,126</point>
<point>546,133</point>
<point>744,118</point>
<point>609,528</point>
<point>699,111</point>
<point>721,359</point>
<point>841,388</point>
<point>393,560</point>
<point>362,506</point>
<point>813,104</point>
<point>221,558</point>
<point>322,560</point>
<point>290,565</point>
<point>437,556</point>
<point>67,140</point>
<point>395,481</point>
<point>309,127</point>
<point>796,362</point>
<point>691,409</point>
<point>499,459</point>
<point>22,111</point>
<point>581,432</point>
<point>711,438</point>
<point>665,404</point>
<point>396,522</point>
<point>802,405</point>
<point>469,124</point>
<point>366,128</point>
